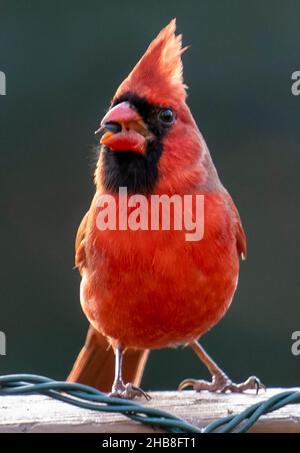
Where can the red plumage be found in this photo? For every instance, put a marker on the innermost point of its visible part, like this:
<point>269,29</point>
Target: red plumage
<point>152,289</point>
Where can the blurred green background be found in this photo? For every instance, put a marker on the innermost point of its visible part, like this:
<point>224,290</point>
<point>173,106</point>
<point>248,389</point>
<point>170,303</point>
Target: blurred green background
<point>63,61</point>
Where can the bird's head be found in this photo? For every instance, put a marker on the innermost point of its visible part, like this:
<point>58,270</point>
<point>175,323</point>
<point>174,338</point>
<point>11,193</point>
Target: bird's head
<point>151,143</point>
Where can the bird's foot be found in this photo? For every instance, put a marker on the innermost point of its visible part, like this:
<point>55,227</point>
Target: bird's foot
<point>128,391</point>
<point>222,384</point>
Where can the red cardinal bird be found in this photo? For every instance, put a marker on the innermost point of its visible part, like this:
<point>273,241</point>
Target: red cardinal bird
<point>145,289</point>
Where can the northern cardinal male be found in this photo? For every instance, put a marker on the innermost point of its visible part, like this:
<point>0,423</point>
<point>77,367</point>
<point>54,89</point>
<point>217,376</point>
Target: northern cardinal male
<point>144,289</point>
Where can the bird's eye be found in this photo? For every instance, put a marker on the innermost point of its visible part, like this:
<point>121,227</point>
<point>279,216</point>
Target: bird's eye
<point>166,116</point>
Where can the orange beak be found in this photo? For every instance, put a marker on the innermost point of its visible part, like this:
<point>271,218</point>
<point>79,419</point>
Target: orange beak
<point>125,129</point>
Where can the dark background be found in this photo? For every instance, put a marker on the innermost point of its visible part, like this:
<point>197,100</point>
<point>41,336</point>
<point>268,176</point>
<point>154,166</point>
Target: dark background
<point>63,61</point>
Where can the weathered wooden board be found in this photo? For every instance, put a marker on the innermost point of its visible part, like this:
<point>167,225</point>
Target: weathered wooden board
<point>37,414</point>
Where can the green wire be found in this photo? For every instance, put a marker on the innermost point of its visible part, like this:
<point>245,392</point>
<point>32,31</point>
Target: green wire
<point>87,397</point>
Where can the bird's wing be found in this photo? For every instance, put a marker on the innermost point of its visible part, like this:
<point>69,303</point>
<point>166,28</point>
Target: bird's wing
<point>95,363</point>
<point>241,241</point>
<point>240,235</point>
<point>80,257</point>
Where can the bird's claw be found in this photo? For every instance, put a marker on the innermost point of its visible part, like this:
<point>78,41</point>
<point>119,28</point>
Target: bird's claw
<point>252,383</point>
<point>128,391</point>
<point>222,384</point>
